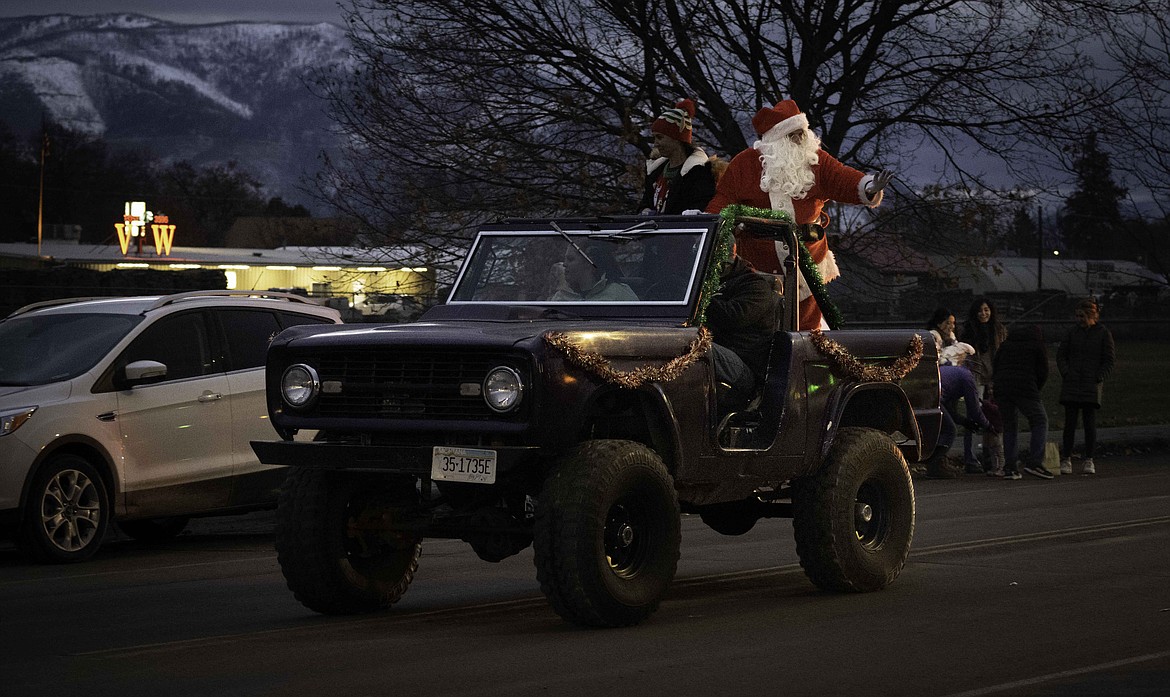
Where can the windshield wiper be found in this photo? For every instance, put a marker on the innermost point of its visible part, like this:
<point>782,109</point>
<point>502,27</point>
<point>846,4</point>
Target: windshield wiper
<point>568,239</point>
<point>629,234</point>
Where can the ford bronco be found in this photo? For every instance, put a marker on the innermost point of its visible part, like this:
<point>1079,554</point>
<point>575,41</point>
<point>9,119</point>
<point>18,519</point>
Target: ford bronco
<point>585,427</point>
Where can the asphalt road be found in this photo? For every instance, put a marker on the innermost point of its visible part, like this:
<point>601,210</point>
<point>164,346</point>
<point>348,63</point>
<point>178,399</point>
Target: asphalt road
<point>1012,588</point>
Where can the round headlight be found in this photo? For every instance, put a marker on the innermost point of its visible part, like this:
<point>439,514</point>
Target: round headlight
<point>502,389</point>
<point>299,385</point>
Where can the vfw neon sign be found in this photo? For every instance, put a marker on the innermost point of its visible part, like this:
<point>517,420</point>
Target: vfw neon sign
<point>133,227</point>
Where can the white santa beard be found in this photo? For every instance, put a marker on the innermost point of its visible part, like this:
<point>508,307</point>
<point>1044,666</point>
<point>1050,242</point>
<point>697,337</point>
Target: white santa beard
<point>787,167</point>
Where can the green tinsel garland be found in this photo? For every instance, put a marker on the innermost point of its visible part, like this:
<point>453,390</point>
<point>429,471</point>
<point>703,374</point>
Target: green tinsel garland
<point>719,256</point>
<point>722,253</point>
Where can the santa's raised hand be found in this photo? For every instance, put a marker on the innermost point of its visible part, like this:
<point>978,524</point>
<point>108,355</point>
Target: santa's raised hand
<point>879,182</point>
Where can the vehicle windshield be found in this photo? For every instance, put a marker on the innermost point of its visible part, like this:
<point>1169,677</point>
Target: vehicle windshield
<point>581,268</point>
<point>44,348</point>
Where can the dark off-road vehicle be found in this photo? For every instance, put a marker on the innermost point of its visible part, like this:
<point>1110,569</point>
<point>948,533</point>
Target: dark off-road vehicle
<point>584,426</point>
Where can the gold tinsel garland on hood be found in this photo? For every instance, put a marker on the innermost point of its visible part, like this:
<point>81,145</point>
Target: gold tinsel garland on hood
<point>595,363</point>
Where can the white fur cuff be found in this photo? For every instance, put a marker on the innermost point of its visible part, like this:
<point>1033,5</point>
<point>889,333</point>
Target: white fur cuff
<point>865,198</point>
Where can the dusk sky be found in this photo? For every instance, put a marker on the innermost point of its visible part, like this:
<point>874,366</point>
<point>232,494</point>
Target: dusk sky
<point>185,11</point>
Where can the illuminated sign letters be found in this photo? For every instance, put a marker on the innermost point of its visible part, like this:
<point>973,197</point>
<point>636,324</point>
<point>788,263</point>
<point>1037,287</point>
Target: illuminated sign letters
<point>133,225</point>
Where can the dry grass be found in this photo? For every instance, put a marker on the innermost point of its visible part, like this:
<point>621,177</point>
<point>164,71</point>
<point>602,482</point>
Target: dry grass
<point>1138,391</point>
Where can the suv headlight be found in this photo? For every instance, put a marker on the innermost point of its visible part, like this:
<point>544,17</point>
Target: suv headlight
<point>502,389</point>
<point>12,419</point>
<point>299,385</point>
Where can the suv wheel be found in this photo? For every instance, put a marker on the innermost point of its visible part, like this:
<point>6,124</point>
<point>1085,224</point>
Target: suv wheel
<point>607,534</point>
<point>336,545</point>
<point>153,529</point>
<point>854,519</point>
<point>67,511</point>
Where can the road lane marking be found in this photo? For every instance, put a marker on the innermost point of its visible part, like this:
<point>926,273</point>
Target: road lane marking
<point>1002,687</point>
<point>1034,536</point>
<point>538,601</point>
<point>325,624</point>
<point>137,570</point>
<point>173,567</point>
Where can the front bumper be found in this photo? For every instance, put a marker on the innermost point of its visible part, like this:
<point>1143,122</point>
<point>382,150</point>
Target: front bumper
<point>389,459</point>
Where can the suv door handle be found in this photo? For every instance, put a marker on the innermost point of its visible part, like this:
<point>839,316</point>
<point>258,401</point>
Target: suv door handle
<point>210,396</point>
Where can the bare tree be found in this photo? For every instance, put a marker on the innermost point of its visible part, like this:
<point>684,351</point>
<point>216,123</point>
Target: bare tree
<point>1136,132</point>
<point>1137,129</point>
<point>461,110</point>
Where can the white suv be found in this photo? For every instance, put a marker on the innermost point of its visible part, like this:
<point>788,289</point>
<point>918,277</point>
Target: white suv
<point>137,410</point>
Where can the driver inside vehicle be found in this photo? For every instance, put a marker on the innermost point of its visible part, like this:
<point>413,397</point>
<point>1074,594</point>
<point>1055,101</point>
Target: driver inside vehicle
<point>589,274</point>
<point>741,317</point>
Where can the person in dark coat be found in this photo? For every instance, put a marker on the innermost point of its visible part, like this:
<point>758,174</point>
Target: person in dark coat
<point>983,332</point>
<point>1085,358</point>
<point>678,175</point>
<point>741,317</point>
<point>1021,369</point>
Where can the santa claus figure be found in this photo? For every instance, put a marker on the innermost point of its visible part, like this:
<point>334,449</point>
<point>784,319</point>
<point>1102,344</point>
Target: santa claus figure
<point>786,170</point>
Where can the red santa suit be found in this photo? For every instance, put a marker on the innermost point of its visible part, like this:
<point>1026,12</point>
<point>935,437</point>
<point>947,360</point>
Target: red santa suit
<point>740,184</point>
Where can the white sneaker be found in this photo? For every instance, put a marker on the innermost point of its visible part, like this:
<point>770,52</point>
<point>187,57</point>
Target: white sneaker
<point>1066,466</point>
<point>1089,467</point>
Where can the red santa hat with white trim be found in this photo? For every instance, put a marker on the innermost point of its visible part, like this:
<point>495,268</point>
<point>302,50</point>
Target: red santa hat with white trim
<point>782,119</point>
<point>676,123</point>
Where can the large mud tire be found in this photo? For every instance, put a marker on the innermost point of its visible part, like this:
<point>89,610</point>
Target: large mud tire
<point>607,534</point>
<point>854,519</point>
<point>335,548</point>
<point>66,512</point>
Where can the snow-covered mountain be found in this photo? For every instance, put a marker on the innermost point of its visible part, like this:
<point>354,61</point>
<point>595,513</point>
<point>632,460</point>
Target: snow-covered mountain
<point>204,93</point>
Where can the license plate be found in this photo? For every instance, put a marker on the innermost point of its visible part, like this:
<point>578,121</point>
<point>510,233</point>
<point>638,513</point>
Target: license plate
<point>463,465</point>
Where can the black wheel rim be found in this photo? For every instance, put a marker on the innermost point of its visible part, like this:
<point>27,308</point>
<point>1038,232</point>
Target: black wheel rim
<point>871,514</point>
<point>71,510</point>
<point>629,536</point>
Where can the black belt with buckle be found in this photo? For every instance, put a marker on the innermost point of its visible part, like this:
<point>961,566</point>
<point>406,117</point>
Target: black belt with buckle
<point>811,232</point>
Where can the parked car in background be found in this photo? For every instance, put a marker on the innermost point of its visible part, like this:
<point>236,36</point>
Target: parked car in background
<point>391,307</point>
<point>137,411</point>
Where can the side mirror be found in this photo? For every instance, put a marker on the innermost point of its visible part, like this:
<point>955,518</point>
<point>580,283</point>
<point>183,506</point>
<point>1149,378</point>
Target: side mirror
<point>140,372</point>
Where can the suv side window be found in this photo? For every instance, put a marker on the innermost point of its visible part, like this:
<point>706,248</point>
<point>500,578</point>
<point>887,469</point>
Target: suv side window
<point>247,334</point>
<point>180,341</point>
<point>292,319</point>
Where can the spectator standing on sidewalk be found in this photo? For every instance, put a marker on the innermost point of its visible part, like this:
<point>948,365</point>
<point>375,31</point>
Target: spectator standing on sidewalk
<point>1085,358</point>
<point>985,333</point>
<point>955,382</point>
<point>1021,369</point>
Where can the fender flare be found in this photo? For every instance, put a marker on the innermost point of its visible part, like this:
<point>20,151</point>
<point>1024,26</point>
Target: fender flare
<point>838,411</point>
<point>659,412</point>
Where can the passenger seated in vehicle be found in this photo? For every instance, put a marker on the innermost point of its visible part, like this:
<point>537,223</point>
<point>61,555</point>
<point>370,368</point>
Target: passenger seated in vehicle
<point>668,265</point>
<point>741,318</point>
<point>590,273</point>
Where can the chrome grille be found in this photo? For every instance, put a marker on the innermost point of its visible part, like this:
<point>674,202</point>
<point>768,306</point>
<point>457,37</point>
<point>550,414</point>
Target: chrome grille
<point>414,383</point>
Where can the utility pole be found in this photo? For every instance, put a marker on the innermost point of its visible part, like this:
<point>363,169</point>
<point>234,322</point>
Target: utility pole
<point>41,199</point>
<point>1039,248</point>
